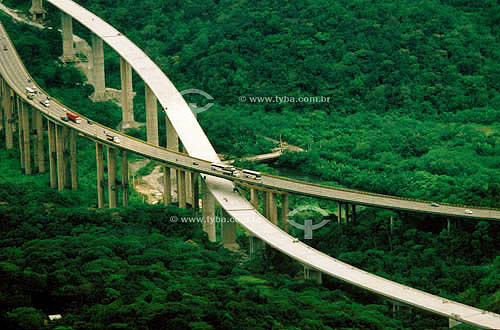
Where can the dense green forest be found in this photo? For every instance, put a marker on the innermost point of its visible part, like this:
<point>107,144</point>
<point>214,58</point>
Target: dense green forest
<point>414,112</point>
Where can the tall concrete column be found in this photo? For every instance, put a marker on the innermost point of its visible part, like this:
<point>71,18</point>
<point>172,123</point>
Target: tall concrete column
<point>60,157</point>
<point>20,135</point>
<point>284,212</point>
<point>34,137</point>
<point>52,154</point>
<point>66,157</point>
<point>124,158</point>
<point>194,192</point>
<point>353,213</point>
<point>112,177</point>
<point>40,145</point>
<point>67,35</point>
<point>339,212</point>
<point>167,186</point>
<point>37,9</point>
<point>151,117</point>
<point>312,274</point>
<point>98,69</point>
<point>2,96</point>
<point>7,105</point>
<point>453,323</point>
<point>100,174</point>
<point>127,98</point>
<point>181,189</point>
<point>209,225</point>
<point>254,198</point>
<point>74,168</point>
<point>271,208</point>
<point>173,145</point>
<point>26,137</point>
<point>228,232</point>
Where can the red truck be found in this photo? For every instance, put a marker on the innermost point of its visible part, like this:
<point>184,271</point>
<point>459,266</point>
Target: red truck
<point>75,118</point>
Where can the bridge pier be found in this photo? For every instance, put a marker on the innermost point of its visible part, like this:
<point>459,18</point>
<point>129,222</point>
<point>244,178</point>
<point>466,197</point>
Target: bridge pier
<point>124,159</point>
<point>59,156</point>
<point>339,213</point>
<point>37,9</point>
<point>66,158</point>
<point>254,198</point>
<point>73,155</point>
<point>98,69</point>
<point>20,134</point>
<point>453,323</point>
<point>173,145</point>
<point>52,154</point>
<point>7,105</point>
<point>208,212</point>
<point>228,232</point>
<point>38,141</point>
<point>194,192</point>
<point>181,189</point>
<point>167,186</point>
<point>312,274</point>
<point>67,36</point>
<point>127,96</point>
<point>271,209</point>
<point>100,174</point>
<point>26,136</point>
<point>151,116</point>
<point>284,212</point>
<point>112,177</point>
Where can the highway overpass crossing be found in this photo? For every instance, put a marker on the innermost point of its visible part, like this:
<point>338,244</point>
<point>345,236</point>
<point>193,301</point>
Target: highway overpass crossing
<point>62,137</point>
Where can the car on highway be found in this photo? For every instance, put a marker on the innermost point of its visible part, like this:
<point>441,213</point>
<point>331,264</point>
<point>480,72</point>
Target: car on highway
<point>435,205</point>
<point>468,211</point>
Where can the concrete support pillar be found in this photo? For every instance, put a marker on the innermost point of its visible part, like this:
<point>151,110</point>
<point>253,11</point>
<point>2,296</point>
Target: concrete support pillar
<point>60,157</point>
<point>271,208</point>
<point>52,154</point>
<point>391,223</point>
<point>98,68</point>
<point>353,213</point>
<point>67,35</point>
<point>39,150</point>
<point>339,213</point>
<point>37,9</point>
<point>256,246</point>
<point>173,145</point>
<point>346,208</point>
<point>73,155</point>
<point>20,135</point>
<point>284,212</point>
<point>124,158</point>
<point>100,174</point>
<point>312,274</point>
<point>453,323</point>
<point>151,117</point>
<point>2,97</point>
<point>66,157</point>
<point>7,106</point>
<point>254,198</point>
<point>112,177</point>
<point>181,189</point>
<point>228,232</point>
<point>448,225</point>
<point>127,98</point>
<point>167,186</point>
<point>26,137</point>
<point>208,213</point>
<point>194,192</point>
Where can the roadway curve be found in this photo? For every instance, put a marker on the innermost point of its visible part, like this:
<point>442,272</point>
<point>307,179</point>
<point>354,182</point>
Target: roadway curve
<point>15,74</point>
